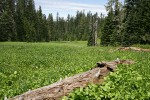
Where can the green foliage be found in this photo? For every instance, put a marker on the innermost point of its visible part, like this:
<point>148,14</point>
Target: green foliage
<point>124,84</point>
<point>25,18</point>
<point>107,30</point>
<point>136,22</point>
<point>27,66</point>
<point>127,83</point>
<point>126,24</point>
<point>111,33</point>
<point>7,23</point>
<point>20,21</point>
<point>50,25</point>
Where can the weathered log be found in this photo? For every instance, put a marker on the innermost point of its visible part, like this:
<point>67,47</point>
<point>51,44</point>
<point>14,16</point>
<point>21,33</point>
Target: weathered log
<point>61,88</point>
<point>134,49</point>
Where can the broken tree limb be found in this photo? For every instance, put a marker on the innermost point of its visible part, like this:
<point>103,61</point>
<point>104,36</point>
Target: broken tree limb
<point>62,88</point>
<point>134,49</point>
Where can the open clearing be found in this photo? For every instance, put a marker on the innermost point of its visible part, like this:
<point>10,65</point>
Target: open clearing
<point>26,66</point>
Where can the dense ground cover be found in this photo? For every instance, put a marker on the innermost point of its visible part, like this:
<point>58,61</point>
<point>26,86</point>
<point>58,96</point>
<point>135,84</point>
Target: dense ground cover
<point>25,66</point>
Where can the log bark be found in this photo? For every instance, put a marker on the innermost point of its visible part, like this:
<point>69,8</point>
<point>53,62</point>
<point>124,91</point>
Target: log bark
<point>62,88</point>
<point>134,49</point>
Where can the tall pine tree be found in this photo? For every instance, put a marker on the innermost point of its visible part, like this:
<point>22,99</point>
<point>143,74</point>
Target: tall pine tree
<point>7,23</point>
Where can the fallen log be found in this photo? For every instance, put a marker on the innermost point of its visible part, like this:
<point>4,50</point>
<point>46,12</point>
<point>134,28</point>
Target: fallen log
<point>134,49</point>
<point>62,88</point>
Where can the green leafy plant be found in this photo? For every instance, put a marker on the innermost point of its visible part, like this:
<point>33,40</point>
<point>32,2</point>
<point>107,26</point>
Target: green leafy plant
<point>27,66</point>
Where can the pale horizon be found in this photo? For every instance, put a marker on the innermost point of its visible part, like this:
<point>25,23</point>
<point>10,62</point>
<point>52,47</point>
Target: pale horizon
<point>65,7</point>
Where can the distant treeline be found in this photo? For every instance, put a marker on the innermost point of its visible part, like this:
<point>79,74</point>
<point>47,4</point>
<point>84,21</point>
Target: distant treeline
<point>125,24</point>
<point>20,21</point>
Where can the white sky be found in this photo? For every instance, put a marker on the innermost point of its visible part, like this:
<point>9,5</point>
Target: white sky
<point>65,7</point>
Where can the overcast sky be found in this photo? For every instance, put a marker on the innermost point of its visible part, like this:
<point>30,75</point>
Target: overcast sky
<point>65,7</point>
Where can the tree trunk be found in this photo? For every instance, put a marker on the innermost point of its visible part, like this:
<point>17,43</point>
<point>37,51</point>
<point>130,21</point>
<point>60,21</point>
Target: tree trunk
<point>62,88</point>
<point>95,32</point>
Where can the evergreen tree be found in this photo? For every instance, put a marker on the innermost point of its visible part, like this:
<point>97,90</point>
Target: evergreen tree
<point>90,37</point>
<point>111,33</point>
<point>101,21</point>
<point>71,35</point>
<point>61,29</point>
<point>56,36</point>
<point>50,26</point>
<point>133,27</point>
<point>115,38</point>
<point>19,19</point>
<point>39,24</point>
<point>29,21</point>
<point>67,28</point>
<point>108,25</point>
<point>45,34</point>
<point>129,21</point>
<point>92,41</point>
<point>144,34</point>
<point>7,23</point>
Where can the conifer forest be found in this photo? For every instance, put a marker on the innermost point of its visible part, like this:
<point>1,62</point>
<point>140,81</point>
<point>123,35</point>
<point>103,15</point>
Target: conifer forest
<point>84,55</point>
<point>126,23</point>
